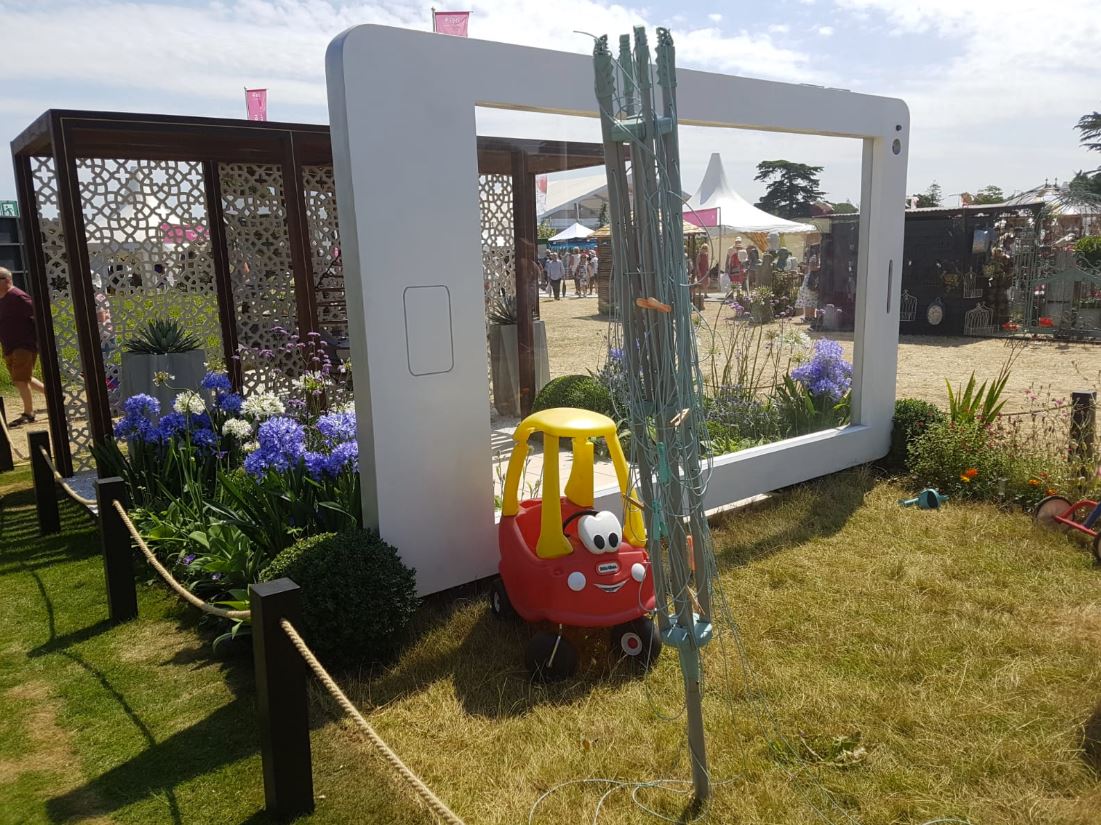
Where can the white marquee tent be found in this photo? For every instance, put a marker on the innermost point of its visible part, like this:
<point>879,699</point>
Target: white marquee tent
<point>734,212</point>
<point>576,232</point>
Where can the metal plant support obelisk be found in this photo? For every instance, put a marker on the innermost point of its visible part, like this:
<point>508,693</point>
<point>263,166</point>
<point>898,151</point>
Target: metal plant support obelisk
<point>659,345</point>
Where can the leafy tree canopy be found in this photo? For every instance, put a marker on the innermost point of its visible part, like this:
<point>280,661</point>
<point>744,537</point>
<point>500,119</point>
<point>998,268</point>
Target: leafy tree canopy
<point>989,194</point>
<point>1090,127</point>
<point>844,208</point>
<point>930,197</point>
<point>546,231</point>
<point>790,188</point>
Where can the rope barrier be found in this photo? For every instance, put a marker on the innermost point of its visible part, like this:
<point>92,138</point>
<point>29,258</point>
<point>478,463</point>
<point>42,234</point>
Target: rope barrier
<point>423,791</point>
<point>60,479</point>
<point>181,591</point>
<point>11,443</point>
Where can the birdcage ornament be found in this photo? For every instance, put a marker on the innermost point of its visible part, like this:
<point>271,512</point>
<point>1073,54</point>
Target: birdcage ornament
<point>973,287</point>
<point>979,321</point>
<point>908,309</point>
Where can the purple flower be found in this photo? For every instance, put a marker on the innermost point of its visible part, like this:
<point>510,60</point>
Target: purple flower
<point>188,559</point>
<point>827,374</point>
<point>141,405</point>
<point>282,446</point>
<point>229,402</point>
<point>337,427</point>
<point>316,464</point>
<point>344,456</point>
<point>216,381</point>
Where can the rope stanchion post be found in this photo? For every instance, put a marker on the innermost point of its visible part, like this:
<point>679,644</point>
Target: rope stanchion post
<point>45,488</point>
<point>6,461</point>
<point>114,538</point>
<point>281,700</point>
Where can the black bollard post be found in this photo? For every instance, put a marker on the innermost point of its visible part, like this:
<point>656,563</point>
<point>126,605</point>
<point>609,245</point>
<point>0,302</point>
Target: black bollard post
<point>281,700</point>
<point>1082,414</point>
<point>114,542</point>
<point>45,488</point>
<point>6,462</point>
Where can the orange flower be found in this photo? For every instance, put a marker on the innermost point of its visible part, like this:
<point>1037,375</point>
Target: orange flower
<point>1051,491</point>
<point>970,472</point>
<point>965,479</point>
<point>1035,482</point>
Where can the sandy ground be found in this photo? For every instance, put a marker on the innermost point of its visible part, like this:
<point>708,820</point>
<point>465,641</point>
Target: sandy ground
<point>577,342</point>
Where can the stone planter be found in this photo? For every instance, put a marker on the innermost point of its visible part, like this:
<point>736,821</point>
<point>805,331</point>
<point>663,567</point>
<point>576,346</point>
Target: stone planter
<point>504,365</point>
<point>186,368</point>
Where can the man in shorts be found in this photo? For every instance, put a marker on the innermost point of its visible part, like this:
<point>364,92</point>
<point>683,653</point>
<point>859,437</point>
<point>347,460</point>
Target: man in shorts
<point>18,343</point>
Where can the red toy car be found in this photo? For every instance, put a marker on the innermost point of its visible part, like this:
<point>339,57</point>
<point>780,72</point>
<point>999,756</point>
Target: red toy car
<point>565,563</point>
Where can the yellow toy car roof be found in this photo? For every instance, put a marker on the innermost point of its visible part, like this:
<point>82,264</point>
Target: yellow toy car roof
<point>565,422</point>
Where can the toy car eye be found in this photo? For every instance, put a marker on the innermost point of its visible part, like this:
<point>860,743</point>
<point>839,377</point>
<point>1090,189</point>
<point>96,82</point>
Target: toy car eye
<point>600,533</point>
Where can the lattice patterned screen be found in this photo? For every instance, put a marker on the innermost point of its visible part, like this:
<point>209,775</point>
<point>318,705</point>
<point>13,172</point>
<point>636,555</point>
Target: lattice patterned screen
<point>498,238</point>
<point>146,225</point>
<point>70,371</point>
<point>319,190</point>
<point>260,270</point>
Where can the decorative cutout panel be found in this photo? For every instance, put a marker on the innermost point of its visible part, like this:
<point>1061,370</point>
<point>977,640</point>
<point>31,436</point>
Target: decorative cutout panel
<point>498,238</point>
<point>149,250</point>
<point>261,272</point>
<point>319,191</point>
<point>70,371</point>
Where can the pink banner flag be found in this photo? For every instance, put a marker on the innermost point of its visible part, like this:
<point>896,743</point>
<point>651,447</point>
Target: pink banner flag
<point>450,22</point>
<point>175,233</point>
<point>256,102</point>
<point>702,217</point>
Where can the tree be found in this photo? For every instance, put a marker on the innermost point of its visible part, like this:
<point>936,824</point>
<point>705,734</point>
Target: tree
<point>1090,127</point>
<point>790,188</point>
<point>930,197</point>
<point>844,208</point>
<point>546,231</point>
<point>989,194</point>
<point>1085,184</point>
<point>603,219</point>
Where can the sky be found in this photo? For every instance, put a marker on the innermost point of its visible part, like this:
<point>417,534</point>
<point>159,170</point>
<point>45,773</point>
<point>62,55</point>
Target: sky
<point>994,86</point>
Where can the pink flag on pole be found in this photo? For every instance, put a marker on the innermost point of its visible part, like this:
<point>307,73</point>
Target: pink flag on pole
<point>702,217</point>
<point>450,22</point>
<point>256,102</point>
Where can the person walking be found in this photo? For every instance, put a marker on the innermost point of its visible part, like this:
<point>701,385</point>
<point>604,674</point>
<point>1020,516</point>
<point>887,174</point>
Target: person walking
<point>19,344</point>
<point>555,275</point>
<point>573,270</point>
<point>594,270</point>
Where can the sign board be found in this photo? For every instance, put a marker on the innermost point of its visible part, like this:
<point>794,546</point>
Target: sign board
<point>9,209</point>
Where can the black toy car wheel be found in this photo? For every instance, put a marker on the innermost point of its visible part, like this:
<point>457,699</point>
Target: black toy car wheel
<point>550,658</point>
<point>637,641</point>
<point>499,602</point>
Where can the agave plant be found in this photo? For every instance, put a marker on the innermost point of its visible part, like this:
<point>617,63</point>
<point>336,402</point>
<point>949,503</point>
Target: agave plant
<point>161,336</point>
<point>502,310</point>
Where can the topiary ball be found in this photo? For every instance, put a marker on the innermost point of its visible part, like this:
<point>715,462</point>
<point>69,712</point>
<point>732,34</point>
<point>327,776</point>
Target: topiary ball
<point>357,595</point>
<point>911,419</point>
<point>580,391</point>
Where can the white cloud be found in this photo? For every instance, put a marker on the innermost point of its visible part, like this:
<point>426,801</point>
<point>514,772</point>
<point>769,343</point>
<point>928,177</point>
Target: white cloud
<point>825,31</point>
<point>779,28</point>
<point>715,17</point>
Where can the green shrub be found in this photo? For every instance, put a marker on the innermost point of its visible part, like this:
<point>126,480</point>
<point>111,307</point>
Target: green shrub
<point>912,417</point>
<point>580,391</point>
<point>948,451</point>
<point>1088,251</point>
<point>357,596</point>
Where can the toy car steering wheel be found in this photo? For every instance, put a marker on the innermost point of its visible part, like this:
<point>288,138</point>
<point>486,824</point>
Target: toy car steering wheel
<point>576,516</point>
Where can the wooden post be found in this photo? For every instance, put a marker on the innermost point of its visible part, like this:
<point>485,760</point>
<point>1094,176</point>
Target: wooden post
<point>223,280</point>
<point>114,539</point>
<point>281,700</point>
<point>1082,414</point>
<point>6,462</point>
<point>45,488</point>
<point>524,243</point>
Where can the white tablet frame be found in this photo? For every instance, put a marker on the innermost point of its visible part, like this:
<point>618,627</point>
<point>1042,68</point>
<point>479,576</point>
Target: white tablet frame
<point>401,105</point>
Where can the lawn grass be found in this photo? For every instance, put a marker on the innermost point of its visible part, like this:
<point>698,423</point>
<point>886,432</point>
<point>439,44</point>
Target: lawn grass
<point>906,665</point>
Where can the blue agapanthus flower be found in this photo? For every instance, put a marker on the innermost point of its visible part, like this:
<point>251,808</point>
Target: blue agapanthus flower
<point>216,381</point>
<point>337,427</point>
<point>141,405</point>
<point>282,443</point>
<point>316,464</point>
<point>137,427</point>
<point>204,438</point>
<point>228,402</point>
<point>827,374</point>
<point>343,457</point>
<point>172,424</point>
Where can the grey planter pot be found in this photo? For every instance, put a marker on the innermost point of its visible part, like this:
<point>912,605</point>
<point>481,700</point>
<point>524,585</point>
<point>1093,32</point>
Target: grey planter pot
<point>138,369</point>
<point>504,365</point>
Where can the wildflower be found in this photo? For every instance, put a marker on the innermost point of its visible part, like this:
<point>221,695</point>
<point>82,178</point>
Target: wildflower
<point>1051,491</point>
<point>189,401</point>
<point>237,428</point>
<point>970,472</point>
<point>965,479</point>
<point>262,405</point>
<point>311,381</point>
<point>1034,482</point>
<point>337,427</point>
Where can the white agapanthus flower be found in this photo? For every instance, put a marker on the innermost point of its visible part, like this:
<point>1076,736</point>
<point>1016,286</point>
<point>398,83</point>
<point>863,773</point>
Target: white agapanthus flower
<point>250,446</point>
<point>189,402</point>
<point>237,428</point>
<point>262,404</point>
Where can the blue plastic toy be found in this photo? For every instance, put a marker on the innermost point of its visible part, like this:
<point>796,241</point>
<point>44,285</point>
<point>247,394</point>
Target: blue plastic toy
<point>927,499</point>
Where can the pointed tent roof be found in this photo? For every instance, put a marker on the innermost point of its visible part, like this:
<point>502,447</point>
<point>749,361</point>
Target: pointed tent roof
<point>575,232</point>
<point>735,212</point>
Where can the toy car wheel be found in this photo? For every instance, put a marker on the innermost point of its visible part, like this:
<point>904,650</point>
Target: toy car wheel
<point>1048,509</point>
<point>499,602</point>
<point>637,641</point>
<point>1096,545</point>
<point>550,658</point>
